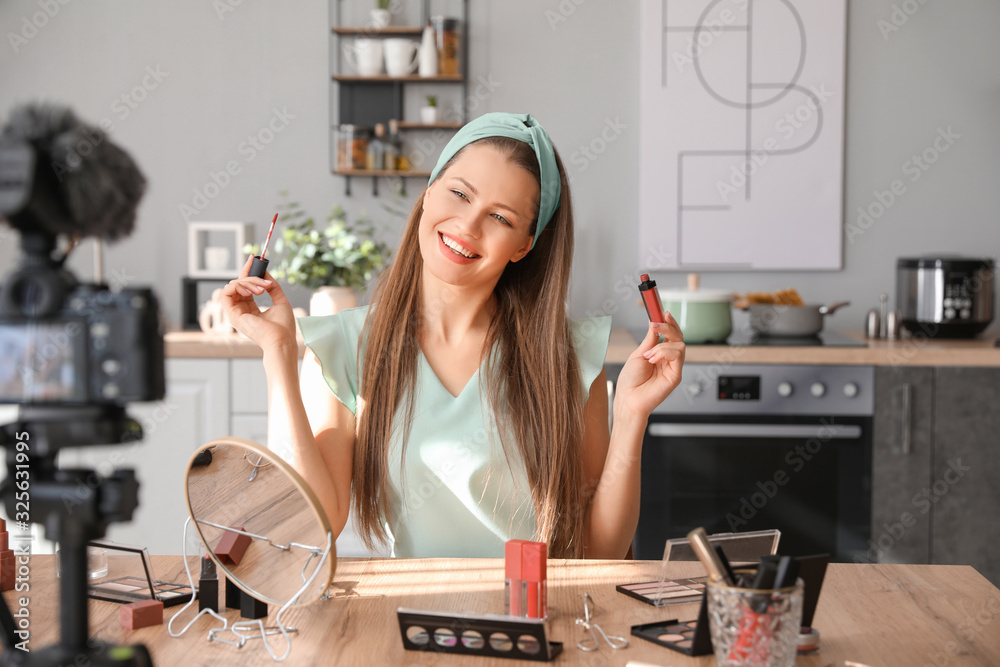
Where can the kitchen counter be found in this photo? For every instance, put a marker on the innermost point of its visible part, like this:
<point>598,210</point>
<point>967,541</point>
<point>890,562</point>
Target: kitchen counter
<point>904,352</point>
<point>199,345</point>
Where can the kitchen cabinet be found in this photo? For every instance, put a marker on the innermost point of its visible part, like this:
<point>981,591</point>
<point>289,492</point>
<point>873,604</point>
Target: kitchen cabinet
<point>366,100</point>
<point>936,494</point>
<point>902,450</point>
<point>964,489</point>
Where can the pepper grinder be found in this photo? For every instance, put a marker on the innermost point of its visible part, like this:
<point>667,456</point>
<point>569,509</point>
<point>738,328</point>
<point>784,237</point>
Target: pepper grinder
<point>872,324</point>
<point>883,315</point>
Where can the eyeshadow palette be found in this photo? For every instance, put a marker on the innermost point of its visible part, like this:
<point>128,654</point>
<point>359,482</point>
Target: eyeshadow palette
<point>128,588</point>
<point>132,589</point>
<point>665,593</point>
<point>487,635</point>
<point>687,637</point>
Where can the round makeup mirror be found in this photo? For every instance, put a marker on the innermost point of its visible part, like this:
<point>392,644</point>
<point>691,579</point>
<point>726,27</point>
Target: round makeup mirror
<point>246,486</point>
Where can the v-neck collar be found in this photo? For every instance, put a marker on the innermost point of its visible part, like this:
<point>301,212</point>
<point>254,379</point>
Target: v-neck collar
<point>437,379</point>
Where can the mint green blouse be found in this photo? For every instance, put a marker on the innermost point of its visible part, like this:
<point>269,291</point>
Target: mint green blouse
<point>454,494</point>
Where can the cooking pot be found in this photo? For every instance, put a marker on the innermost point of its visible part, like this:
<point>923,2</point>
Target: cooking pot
<point>704,315</point>
<point>790,321</point>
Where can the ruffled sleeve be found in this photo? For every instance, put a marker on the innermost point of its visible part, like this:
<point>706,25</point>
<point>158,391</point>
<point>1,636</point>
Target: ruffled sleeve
<point>590,337</point>
<point>334,341</point>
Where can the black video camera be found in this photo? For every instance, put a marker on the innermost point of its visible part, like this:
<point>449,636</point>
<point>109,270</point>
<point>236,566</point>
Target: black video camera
<point>63,342</point>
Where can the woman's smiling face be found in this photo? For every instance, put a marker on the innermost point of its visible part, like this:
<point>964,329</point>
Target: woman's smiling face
<point>476,217</point>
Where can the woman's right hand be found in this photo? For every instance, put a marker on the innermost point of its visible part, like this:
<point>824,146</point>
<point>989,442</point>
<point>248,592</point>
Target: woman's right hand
<point>271,329</point>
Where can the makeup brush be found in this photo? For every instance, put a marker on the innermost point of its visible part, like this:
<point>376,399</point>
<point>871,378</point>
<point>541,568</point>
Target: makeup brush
<point>706,554</point>
<point>259,266</point>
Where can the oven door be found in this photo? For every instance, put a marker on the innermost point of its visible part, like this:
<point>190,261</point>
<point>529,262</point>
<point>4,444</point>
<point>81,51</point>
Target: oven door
<point>809,477</point>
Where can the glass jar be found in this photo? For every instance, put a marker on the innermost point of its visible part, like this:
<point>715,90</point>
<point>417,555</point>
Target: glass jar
<point>352,146</point>
<point>448,41</point>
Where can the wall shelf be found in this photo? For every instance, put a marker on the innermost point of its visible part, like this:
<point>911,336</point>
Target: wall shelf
<point>409,78</point>
<point>369,31</point>
<point>367,100</point>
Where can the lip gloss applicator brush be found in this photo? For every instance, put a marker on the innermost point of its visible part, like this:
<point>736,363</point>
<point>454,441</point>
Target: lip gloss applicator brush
<point>259,266</point>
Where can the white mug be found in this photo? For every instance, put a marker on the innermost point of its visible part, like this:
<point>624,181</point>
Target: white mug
<point>400,56</point>
<point>365,55</point>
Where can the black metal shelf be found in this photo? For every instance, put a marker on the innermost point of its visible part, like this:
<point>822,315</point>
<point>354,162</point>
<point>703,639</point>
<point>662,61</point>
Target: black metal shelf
<point>367,100</point>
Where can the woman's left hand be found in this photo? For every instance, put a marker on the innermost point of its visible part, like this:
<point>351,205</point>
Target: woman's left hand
<point>652,371</point>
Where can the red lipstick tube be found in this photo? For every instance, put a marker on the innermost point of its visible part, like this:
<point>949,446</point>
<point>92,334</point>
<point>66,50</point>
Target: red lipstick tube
<point>513,594</point>
<point>533,572</point>
<point>651,299</point>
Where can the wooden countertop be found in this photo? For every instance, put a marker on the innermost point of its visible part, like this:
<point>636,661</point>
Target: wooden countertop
<point>199,345</point>
<point>867,614</point>
<point>903,352</point>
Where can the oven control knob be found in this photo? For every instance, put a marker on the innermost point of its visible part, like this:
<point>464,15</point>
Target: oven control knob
<point>817,389</point>
<point>785,389</point>
<point>694,389</point>
<point>850,390</point>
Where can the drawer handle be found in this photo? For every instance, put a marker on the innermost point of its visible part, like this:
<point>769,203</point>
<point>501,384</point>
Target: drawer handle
<point>906,418</point>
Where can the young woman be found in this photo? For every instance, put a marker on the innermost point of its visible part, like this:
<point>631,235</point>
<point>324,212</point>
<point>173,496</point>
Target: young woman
<point>462,408</point>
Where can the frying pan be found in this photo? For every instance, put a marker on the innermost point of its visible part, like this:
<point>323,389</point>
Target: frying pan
<point>790,321</point>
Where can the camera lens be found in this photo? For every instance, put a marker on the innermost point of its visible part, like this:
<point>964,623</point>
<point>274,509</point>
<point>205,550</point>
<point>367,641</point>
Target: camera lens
<point>34,294</point>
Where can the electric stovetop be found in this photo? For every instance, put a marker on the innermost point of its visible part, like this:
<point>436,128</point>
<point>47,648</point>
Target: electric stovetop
<point>746,337</point>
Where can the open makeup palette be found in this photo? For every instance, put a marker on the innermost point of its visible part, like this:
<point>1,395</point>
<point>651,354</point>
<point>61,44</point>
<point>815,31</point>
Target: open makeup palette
<point>131,579</point>
<point>745,549</point>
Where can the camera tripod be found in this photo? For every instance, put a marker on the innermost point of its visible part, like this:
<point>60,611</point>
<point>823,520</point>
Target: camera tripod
<point>73,514</point>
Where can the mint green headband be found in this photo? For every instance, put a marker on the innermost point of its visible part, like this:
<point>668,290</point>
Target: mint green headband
<point>526,129</point>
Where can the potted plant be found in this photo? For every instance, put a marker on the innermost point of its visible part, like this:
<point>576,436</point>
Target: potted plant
<point>429,112</point>
<point>335,259</point>
<point>381,16</point>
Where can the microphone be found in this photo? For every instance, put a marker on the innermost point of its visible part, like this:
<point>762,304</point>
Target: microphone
<point>60,175</point>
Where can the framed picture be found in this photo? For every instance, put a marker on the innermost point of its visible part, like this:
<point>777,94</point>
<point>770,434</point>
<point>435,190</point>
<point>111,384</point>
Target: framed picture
<point>215,249</point>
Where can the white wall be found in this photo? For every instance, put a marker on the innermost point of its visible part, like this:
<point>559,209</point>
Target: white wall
<point>571,63</point>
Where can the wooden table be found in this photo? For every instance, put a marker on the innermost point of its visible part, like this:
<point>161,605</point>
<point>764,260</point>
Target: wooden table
<point>876,615</point>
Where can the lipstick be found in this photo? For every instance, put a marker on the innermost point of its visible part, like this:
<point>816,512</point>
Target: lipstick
<point>651,299</point>
<point>533,574</point>
<point>259,266</point>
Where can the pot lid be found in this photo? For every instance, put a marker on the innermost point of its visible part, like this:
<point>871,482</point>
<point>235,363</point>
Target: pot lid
<point>699,295</point>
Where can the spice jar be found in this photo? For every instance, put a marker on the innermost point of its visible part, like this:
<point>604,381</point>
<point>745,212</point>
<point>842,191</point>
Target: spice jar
<point>352,147</point>
<point>448,43</point>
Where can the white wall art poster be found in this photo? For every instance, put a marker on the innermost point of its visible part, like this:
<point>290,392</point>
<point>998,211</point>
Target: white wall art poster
<point>742,134</point>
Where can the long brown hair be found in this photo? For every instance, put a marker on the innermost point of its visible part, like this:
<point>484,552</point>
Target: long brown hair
<point>537,396</point>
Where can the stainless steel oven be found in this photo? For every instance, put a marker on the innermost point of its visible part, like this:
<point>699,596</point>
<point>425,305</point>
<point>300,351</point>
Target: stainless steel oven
<point>747,447</point>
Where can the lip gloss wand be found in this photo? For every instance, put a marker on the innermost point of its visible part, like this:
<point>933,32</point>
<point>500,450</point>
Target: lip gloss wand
<point>259,266</point>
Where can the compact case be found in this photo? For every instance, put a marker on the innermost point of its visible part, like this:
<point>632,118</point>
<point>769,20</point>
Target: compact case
<point>489,635</point>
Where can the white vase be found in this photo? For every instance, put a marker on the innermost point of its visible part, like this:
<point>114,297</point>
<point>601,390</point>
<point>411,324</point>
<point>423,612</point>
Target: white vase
<point>381,18</point>
<point>331,300</point>
<point>428,115</point>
